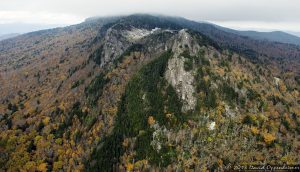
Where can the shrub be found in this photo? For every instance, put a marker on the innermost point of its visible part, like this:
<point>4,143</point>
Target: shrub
<point>252,94</point>
<point>250,120</point>
<point>57,165</point>
<point>188,64</point>
<point>76,83</point>
<point>229,93</point>
<point>151,120</point>
<point>268,138</point>
<point>12,107</point>
<point>255,130</point>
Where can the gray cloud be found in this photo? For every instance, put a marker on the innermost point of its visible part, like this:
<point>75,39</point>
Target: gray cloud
<point>281,14</point>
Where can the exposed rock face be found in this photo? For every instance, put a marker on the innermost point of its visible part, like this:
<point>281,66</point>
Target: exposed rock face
<point>184,40</point>
<point>115,44</point>
<point>116,41</point>
<point>212,126</point>
<point>276,81</point>
<point>182,81</point>
<point>175,74</point>
<point>136,34</point>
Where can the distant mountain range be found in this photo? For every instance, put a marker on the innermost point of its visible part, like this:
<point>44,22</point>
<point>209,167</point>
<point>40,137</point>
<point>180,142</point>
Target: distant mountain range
<point>7,36</point>
<point>20,28</point>
<point>275,36</point>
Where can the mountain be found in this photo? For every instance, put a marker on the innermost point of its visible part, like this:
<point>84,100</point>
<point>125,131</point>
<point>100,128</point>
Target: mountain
<point>7,36</point>
<point>146,93</point>
<point>295,33</point>
<point>298,34</point>
<point>275,36</point>
<point>21,28</point>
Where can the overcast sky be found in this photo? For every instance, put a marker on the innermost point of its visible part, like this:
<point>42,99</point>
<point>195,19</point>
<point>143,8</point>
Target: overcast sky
<point>262,15</point>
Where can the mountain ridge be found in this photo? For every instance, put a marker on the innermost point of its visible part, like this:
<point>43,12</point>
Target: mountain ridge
<point>275,36</point>
<point>143,92</point>
<point>7,36</point>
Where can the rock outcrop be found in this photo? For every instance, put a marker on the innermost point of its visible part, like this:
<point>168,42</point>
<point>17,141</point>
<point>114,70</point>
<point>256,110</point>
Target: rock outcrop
<point>176,75</point>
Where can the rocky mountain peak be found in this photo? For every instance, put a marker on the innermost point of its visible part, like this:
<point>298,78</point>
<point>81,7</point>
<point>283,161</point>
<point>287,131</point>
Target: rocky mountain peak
<point>146,93</point>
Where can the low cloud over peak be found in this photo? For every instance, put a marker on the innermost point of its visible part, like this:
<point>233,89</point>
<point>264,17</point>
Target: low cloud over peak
<point>259,15</point>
